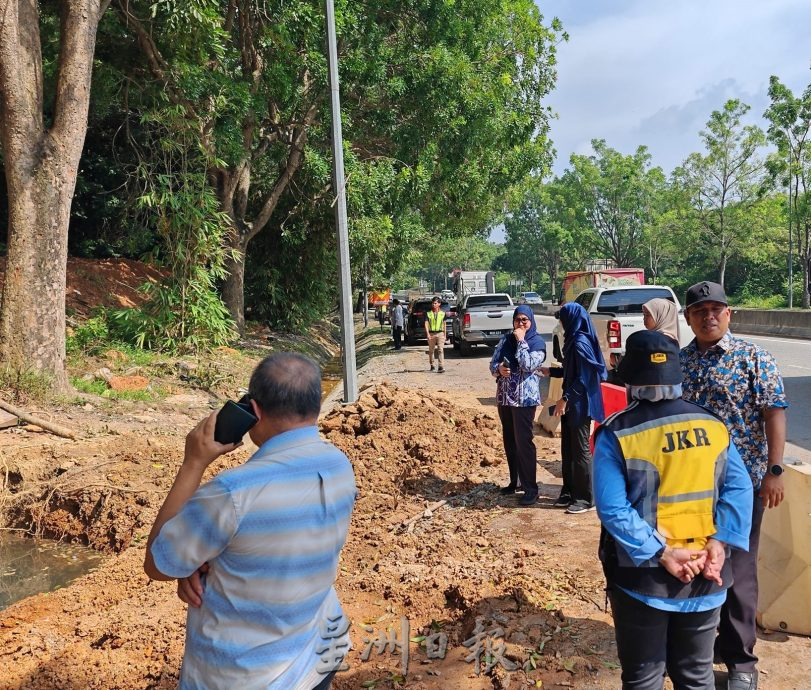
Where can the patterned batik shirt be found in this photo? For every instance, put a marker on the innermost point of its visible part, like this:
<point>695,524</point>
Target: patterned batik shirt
<point>521,388</point>
<point>737,380</point>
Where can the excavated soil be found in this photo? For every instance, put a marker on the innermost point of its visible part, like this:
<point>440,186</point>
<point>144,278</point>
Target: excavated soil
<point>431,540</point>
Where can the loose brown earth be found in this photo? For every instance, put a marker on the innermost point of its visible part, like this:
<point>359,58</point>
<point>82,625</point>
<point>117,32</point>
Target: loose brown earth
<point>414,439</point>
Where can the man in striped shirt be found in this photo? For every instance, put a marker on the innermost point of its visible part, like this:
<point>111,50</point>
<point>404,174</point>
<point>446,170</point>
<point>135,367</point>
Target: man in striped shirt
<point>255,550</point>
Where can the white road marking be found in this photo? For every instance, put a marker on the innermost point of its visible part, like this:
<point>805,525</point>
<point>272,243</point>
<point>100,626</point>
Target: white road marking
<point>797,341</point>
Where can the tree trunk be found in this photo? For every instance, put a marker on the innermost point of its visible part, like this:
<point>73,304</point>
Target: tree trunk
<point>233,289</point>
<point>722,269</point>
<point>41,166</point>
<point>32,321</point>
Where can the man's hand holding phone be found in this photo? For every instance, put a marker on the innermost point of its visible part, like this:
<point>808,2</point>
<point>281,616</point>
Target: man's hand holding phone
<point>201,448</point>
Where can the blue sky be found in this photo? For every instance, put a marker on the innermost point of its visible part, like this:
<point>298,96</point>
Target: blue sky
<point>651,72</point>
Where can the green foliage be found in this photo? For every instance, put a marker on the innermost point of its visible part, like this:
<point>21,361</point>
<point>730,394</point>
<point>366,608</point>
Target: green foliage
<point>613,196</point>
<point>19,386</point>
<point>539,236</point>
<point>724,183</point>
<point>185,313</point>
<point>99,387</point>
<point>790,167</point>
<point>89,337</point>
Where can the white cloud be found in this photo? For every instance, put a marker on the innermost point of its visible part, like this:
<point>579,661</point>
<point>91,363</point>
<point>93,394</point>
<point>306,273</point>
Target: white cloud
<point>651,72</point>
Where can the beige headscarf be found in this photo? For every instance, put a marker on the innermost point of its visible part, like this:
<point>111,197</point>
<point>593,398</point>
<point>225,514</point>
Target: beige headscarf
<point>665,316</point>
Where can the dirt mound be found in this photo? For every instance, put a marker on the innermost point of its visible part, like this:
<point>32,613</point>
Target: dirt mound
<point>431,539</point>
<point>102,282</point>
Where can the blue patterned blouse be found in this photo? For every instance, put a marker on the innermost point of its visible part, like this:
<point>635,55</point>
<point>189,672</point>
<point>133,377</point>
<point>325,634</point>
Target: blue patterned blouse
<point>521,388</point>
<point>736,380</point>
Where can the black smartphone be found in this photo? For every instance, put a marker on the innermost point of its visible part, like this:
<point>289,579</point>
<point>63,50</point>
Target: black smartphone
<point>234,420</point>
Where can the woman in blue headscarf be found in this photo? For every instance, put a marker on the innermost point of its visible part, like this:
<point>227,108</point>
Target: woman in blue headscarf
<point>515,364</point>
<point>580,402</point>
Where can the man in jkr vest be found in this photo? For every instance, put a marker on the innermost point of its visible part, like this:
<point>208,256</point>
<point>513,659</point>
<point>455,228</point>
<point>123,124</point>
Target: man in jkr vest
<point>435,330</point>
<point>673,497</point>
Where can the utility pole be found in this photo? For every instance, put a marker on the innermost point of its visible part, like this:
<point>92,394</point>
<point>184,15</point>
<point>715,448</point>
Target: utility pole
<point>338,184</point>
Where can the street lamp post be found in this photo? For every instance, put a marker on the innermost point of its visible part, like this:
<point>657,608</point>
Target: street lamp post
<point>339,185</point>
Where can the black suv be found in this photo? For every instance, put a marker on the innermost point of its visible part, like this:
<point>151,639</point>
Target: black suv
<point>414,330</point>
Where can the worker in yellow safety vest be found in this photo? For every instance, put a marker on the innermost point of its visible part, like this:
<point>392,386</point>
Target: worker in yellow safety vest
<point>673,497</point>
<point>435,330</point>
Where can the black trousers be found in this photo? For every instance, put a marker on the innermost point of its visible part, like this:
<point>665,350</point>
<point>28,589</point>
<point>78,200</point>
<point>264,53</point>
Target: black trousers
<point>516,431</point>
<point>397,334</point>
<point>576,466</point>
<point>737,632</point>
<point>650,642</point>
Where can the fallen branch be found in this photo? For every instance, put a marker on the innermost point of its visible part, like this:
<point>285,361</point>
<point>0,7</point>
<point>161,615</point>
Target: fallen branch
<point>426,513</point>
<point>62,431</point>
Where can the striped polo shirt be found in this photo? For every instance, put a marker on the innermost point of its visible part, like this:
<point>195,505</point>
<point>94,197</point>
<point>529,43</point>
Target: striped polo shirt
<point>271,531</point>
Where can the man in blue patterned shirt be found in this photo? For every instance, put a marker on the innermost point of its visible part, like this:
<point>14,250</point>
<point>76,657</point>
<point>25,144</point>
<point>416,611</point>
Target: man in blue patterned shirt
<point>740,382</point>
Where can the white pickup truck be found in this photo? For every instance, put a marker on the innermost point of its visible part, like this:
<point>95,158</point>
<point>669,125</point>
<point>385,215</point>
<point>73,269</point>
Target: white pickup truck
<point>482,320</point>
<point>615,313</point>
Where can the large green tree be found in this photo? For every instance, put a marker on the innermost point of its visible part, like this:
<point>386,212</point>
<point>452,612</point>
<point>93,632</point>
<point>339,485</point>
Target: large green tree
<point>790,125</point>
<point>614,196</point>
<point>450,93</point>
<point>725,181</point>
<point>538,235</point>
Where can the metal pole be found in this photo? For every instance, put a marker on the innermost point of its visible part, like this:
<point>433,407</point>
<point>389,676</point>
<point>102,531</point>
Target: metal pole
<point>338,184</point>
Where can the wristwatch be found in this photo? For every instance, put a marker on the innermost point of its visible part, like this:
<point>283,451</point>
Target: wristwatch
<point>776,470</point>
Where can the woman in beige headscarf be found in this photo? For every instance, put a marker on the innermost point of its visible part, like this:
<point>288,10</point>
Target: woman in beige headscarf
<point>661,315</point>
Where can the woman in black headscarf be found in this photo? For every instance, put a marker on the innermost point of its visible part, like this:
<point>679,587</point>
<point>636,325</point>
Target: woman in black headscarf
<point>515,364</point>
<point>580,402</point>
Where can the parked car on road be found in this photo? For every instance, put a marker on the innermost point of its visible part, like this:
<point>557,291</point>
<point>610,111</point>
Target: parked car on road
<point>482,320</point>
<point>529,298</point>
<point>415,321</point>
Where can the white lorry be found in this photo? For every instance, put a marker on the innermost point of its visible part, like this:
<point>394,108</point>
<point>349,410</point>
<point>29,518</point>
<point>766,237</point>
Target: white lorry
<point>615,313</point>
<point>482,320</point>
<point>473,283</point>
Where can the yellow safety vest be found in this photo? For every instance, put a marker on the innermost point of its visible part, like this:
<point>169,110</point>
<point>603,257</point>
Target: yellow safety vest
<point>436,320</point>
<point>675,456</point>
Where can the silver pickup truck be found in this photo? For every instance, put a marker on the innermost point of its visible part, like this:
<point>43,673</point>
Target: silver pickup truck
<point>482,320</point>
<point>615,313</point>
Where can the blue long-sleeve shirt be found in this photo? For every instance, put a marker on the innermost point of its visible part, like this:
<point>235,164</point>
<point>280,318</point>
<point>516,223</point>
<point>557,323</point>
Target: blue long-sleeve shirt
<point>522,388</point>
<point>733,517</point>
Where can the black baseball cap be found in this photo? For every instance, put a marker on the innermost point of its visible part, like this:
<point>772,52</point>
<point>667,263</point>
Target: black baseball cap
<point>651,359</point>
<point>705,292</point>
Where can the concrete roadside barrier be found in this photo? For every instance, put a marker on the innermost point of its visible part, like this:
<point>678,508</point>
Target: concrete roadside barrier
<point>794,324</point>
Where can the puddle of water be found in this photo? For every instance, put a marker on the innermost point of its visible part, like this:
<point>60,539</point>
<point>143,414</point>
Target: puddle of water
<point>30,566</point>
<point>332,375</point>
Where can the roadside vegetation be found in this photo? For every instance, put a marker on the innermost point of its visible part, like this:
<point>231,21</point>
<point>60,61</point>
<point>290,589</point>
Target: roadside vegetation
<point>200,145</point>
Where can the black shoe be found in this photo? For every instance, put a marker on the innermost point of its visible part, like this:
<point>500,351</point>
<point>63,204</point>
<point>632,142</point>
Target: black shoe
<point>564,501</point>
<point>507,490</point>
<point>742,680</point>
<point>432,368</point>
<point>529,499</point>
<point>441,370</point>
<point>579,507</point>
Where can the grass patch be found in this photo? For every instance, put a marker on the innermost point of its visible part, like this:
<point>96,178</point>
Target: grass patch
<point>99,387</point>
<point>23,385</point>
